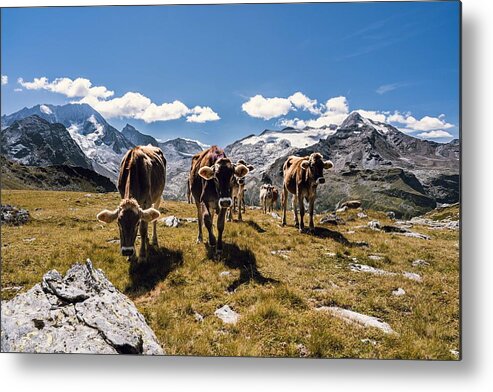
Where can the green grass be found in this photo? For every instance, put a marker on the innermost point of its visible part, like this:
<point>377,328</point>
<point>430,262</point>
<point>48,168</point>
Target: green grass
<point>274,294</point>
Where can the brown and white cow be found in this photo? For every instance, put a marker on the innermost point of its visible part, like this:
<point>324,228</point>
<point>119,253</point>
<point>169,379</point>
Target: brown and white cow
<point>266,197</point>
<point>211,181</point>
<point>301,178</point>
<point>141,184</point>
<point>238,194</point>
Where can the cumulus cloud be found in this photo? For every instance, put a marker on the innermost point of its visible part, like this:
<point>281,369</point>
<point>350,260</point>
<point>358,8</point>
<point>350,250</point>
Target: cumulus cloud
<point>267,108</point>
<point>129,105</point>
<point>373,115</point>
<point>79,87</point>
<point>301,101</point>
<point>201,114</point>
<point>5,79</point>
<point>438,134</point>
<point>426,123</point>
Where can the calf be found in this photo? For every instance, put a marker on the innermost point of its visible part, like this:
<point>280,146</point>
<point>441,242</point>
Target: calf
<point>238,193</point>
<point>266,197</point>
<point>211,181</point>
<point>141,184</point>
<point>301,178</point>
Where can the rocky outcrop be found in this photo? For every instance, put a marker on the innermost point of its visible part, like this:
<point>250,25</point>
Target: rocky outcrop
<point>81,312</point>
<point>11,215</point>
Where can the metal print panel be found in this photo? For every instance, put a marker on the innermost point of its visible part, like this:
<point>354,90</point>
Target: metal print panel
<point>270,180</point>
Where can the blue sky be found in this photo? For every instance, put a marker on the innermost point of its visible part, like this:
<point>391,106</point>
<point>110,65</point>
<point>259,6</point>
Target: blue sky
<point>211,72</point>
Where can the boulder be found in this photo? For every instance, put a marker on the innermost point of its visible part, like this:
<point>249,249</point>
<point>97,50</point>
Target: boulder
<point>351,204</point>
<point>171,221</point>
<point>227,315</point>
<point>14,216</point>
<point>81,312</point>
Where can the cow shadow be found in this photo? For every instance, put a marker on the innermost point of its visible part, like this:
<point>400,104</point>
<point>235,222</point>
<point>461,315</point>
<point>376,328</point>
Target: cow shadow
<point>323,232</point>
<point>255,226</point>
<point>144,276</point>
<point>244,260</point>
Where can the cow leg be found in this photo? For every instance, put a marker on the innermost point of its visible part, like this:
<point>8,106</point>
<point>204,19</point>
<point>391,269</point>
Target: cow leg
<point>144,240</point>
<point>295,210</point>
<point>229,215</point>
<point>284,205</point>
<point>208,215</point>
<point>220,229</point>
<point>302,212</point>
<point>200,221</point>
<point>311,208</point>
<point>240,217</point>
<point>154,226</point>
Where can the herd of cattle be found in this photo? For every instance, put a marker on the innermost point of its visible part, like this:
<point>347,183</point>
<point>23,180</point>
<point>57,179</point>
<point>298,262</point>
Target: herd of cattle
<point>215,185</point>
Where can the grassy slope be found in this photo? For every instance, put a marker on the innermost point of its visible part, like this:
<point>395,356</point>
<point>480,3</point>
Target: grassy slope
<point>274,295</point>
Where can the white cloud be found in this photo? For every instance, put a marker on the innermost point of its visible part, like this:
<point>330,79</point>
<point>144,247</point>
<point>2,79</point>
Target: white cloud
<point>5,79</point>
<point>79,87</point>
<point>301,101</point>
<point>267,108</point>
<point>201,114</point>
<point>426,123</point>
<point>130,105</point>
<point>164,112</point>
<point>373,115</point>
<point>438,134</point>
<point>17,90</point>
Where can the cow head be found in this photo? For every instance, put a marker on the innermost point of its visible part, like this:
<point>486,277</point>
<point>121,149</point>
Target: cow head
<point>128,215</point>
<point>223,174</point>
<point>314,167</point>
<point>268,189</point>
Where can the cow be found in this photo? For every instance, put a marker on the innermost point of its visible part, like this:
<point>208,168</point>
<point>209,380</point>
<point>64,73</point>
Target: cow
<point>238,193</point>
<point>302,175</point>
<point>275,197</point>
<point>211,181</point>
<point>266,197</point>
<point>140,183</point>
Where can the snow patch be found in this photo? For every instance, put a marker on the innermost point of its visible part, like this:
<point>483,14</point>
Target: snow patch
<point>45,109</point>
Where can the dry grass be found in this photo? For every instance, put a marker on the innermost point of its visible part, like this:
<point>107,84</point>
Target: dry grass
<point>274,293</point>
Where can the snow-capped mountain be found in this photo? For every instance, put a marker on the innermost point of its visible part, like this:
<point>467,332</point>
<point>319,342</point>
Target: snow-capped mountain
<point>387,169</point>
<point>100,145</point>
<point>270,145</point>
<point>100,142</point>
<point>36,142</point>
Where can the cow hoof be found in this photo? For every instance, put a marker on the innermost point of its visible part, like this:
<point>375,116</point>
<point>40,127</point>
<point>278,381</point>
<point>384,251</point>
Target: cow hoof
<point>199,240</point>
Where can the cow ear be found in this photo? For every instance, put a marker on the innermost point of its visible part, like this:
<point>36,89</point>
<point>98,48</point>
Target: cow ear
<point>149,215</point>
<point>241,171</point>
<point>107,216</point>
<point>328,165</point>
<point>305,164</point>
<point>206,172</point>
<point>250,168</point>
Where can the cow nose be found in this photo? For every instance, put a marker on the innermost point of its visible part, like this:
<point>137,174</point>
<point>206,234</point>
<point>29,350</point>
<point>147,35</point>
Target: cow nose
<point>321,180</point>
<point>225,202</point>
<point>127,250</point>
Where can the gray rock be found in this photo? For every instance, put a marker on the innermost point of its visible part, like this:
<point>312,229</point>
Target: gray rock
<point>198,317</point>
<point>227,315</point>
<point>366,268</point>
<point>14,216</point>
<point>332,219</point>
<point>420,263</point>
<point>275,215</point>
<point>374,225</point>
<point>357,318</point>
<point>81,312</point>
<point>224,273</point>
<point>391,215</point>
<point>412,276</point>
<point>375,257</point>
<point>398,292</point>
<point>413,234</point>
<point>171,221</point>
<point>362,215</point>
